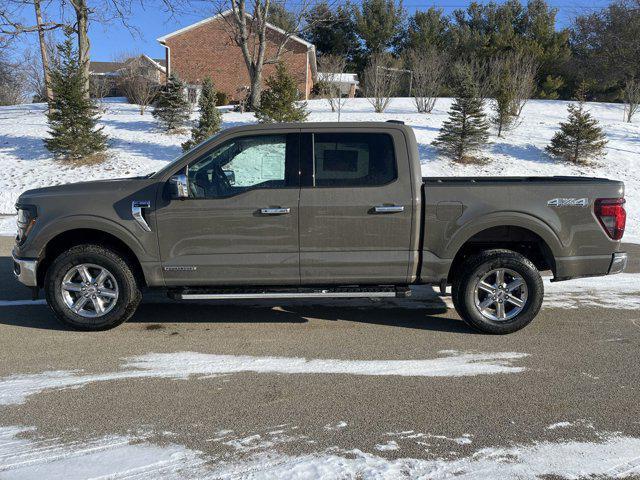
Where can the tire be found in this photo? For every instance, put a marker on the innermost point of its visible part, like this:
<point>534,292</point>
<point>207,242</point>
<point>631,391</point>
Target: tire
<point>99,311</point>
<point>501,314</point>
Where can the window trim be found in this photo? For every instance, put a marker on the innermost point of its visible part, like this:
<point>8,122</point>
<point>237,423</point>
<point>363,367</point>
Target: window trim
<point>308,159</point>
<point>291,168</point>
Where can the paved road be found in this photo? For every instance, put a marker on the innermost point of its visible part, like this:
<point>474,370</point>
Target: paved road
<point>573,375</point>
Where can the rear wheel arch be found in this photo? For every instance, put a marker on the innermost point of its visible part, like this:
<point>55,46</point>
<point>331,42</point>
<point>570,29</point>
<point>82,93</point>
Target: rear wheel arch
<point>516,238</point>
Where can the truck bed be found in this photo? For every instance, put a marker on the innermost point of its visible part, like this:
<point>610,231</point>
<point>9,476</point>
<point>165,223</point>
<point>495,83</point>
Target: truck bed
<point>485,180</point>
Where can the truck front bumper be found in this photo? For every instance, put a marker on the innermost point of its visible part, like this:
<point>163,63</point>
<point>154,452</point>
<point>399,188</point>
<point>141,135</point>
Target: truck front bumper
<point>618,263</point>
<point>26,271</point>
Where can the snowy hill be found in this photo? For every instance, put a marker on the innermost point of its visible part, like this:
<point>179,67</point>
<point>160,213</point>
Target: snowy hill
<point>136,147</point>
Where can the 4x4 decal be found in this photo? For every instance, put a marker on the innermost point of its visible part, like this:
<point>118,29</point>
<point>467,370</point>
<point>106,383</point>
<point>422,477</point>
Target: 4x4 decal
<point>568,202</point>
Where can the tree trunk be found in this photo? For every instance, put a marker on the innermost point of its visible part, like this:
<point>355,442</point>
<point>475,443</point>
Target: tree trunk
<point>256,88</point>
<point>82,20</point>
<point>43,52</point>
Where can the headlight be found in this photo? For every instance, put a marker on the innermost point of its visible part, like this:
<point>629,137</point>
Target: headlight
<point>26,219</point>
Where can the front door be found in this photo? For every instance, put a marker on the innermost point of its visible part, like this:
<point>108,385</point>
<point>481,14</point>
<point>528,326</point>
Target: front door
<point>240,222</point>
<point>355,207</point>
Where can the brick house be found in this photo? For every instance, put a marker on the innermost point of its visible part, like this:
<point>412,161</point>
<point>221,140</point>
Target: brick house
<point>206,49</point>
<point>106,75</point>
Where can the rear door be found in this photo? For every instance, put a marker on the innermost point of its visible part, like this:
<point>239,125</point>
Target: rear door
<point>355,207</point>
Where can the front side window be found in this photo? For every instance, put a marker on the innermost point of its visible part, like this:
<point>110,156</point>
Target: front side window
<point>353,159</point>
<point>239,165</point>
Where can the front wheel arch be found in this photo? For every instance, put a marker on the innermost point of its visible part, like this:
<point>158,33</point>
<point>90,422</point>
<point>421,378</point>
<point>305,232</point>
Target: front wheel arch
<point>79,236</point>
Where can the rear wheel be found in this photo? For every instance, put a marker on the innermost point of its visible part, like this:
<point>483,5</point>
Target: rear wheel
<point>90,287</point>
<point>498,291</point>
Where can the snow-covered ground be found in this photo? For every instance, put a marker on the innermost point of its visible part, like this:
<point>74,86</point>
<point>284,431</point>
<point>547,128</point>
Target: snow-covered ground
<point>137,146</point>
<point>28,454</point>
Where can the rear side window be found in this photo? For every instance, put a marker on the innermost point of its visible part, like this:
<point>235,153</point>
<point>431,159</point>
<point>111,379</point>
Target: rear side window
<point>353,159</point>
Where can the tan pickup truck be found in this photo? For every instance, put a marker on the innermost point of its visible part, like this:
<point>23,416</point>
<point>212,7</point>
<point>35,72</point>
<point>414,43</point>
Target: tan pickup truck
<point>314,210</point>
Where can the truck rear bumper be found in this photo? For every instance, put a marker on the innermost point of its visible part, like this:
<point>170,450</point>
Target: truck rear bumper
<point>25,271</point>
<point>589,266</point>
<point>618,263</point>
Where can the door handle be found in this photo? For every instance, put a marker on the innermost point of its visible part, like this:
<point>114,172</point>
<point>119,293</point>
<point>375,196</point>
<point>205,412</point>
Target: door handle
<point>275,211</point>
<point>388,208</point>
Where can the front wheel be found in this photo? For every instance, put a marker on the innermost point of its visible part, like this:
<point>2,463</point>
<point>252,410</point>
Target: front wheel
<point>90,287</point>
<point>498,291</point>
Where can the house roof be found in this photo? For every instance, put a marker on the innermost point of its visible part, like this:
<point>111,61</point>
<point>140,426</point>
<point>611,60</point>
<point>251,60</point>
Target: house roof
<point>295,38</point>
<point>155,63</point>
<point>104,67</point>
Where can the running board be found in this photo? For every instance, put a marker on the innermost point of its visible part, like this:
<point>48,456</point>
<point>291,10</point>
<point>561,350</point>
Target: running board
<point>264,294</point>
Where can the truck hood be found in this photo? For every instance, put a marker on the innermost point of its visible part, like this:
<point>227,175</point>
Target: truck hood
<point>116,188</point>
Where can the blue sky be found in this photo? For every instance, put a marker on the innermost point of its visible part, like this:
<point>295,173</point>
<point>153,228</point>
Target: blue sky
<point>108,42</point>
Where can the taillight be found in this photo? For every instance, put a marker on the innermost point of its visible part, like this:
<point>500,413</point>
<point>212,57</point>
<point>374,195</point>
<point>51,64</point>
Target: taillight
<point>612,216</point>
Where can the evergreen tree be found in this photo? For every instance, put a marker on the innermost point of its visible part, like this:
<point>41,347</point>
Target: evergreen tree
<point>331,31</point>
<point>429,28</point>
<point>282,18</point>
<point>172,108</point>
<point>379,24</point>
<point>580,138</point>
<point>467,129</point>
<point>278,102</point>
<point>72,115</point>
<point>550,86</point>
<point>210,120</point>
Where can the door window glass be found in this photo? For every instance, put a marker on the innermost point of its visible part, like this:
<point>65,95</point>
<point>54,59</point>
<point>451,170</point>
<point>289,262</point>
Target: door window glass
<point>353,159</point>
<point>239,165</point>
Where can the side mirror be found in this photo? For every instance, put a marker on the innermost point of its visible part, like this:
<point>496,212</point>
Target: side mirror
<point>178,186</point>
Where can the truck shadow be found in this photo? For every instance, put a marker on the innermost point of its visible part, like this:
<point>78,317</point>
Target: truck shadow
<point>39,316</point>
<point>414,316</point>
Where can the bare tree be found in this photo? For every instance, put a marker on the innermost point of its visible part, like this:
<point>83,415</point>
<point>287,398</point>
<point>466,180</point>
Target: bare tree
<point>332,68</point>
<point>247,26</point>
<point>481,71</point>
<point>138,87</point>
<point>381,80</point>
<point>512,79</point>
<point>12,83</point>
<point>99,87</point>
<point>9,25</point>
<point>524,70</point>
<point>427,67</point>
<point>631,98</point>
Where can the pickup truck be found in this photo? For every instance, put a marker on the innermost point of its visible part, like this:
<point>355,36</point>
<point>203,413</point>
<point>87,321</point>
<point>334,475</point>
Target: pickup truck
<point>314,210</point>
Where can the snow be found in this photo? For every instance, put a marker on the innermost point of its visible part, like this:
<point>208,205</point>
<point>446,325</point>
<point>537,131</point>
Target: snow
<point>107,457</point>
<point>338,426</point>
<point>25,454</point>
<point>138,147</point>
<point>616,456</point>
<point>553,426</point>
<point>621,291</point>
<point>15,389</point>
<point>8,225</point>
<point>390,445</point>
